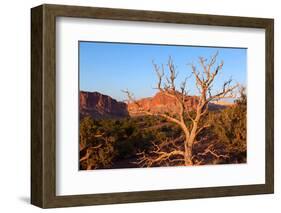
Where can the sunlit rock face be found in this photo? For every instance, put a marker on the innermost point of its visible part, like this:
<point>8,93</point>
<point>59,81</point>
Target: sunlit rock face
<point>100,106</point>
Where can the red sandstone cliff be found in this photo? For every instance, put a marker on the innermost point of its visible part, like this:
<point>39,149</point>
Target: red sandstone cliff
<point>160,103</point>
<point>99,106</point>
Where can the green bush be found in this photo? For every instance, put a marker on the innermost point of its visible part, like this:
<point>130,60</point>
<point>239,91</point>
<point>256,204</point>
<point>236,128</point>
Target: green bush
<point>96,146</point>
<point>230,127</point>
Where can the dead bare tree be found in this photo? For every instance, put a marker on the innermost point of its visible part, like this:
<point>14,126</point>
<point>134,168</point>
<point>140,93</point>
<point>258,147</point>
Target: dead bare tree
<point>204,80</point>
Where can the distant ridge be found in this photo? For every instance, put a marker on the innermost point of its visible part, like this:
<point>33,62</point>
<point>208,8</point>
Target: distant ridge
<point>161,103</point>
<point>100,106</point>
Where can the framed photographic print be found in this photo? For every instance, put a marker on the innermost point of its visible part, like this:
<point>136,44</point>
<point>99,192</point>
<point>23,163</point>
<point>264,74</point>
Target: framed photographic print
<point>136,106</point>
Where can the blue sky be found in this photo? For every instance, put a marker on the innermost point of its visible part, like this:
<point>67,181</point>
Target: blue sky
<point>111,67</point>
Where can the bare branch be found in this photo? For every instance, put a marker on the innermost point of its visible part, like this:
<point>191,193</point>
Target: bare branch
<point>199,82</point>
<point>210,150</point>
<point>227,91</point>
<point>189,116</point>
<point>183,88</point>
<point>203,127</point>
<point>205,109</point>
<point>212,62</point>
<point>202,61</point>
<point>89,151</point>
<point>214,74</point>
<point>157,156</point>
<point>173,74</point>
<point>160,74</point>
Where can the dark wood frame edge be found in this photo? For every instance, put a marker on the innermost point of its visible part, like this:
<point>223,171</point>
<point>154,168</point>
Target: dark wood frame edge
<point>43,105</point>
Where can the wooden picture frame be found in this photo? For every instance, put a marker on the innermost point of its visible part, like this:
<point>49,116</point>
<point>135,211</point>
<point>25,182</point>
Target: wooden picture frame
<point>43,105</point>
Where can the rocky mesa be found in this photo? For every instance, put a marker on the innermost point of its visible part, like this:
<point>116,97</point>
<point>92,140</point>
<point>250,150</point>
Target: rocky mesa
<point>100,106</point>
<point>160,103</point>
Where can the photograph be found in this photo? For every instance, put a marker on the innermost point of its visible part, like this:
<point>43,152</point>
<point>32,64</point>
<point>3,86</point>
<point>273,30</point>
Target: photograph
<point>161,105</point>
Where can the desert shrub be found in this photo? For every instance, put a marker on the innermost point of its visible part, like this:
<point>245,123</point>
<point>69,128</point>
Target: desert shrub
<point>96,146</point>
<point>106,141</point>
<point>87,131</point>
<point>230,127</point>
<point>99,156</point>
<point>141,140</point>
<point>125,149</point>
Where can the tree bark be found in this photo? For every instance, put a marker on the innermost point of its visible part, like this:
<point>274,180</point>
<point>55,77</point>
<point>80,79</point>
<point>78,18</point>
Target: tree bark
<point>187,154</point>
